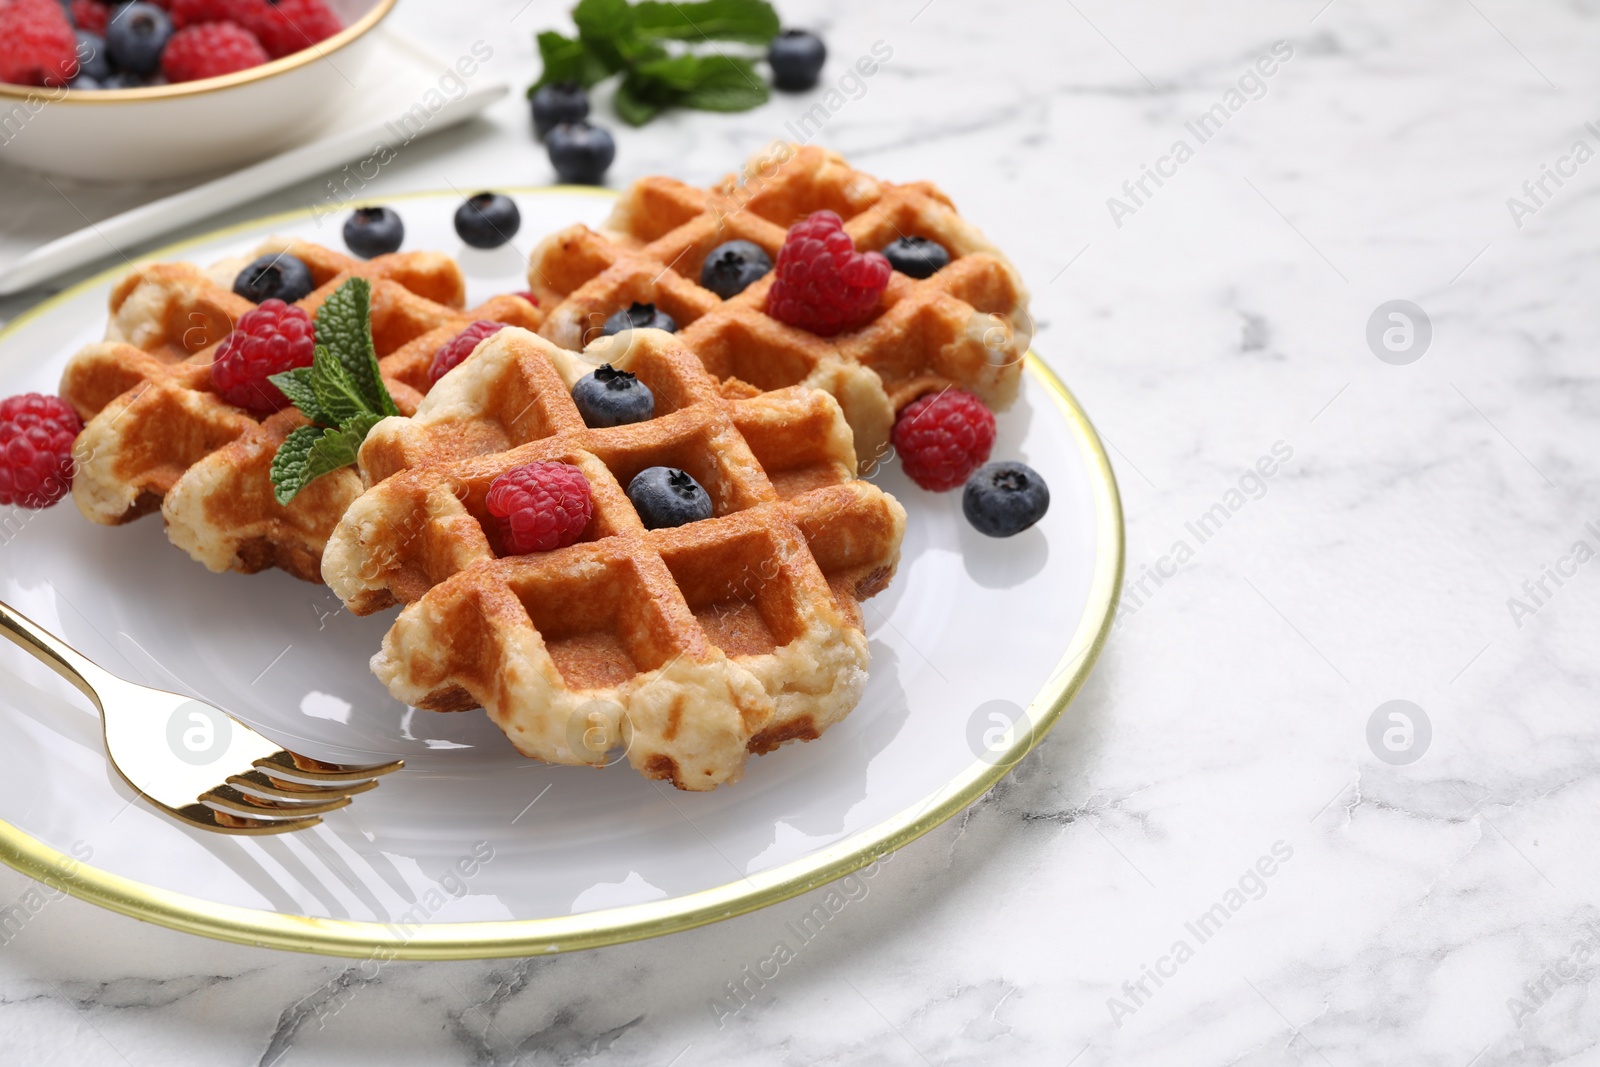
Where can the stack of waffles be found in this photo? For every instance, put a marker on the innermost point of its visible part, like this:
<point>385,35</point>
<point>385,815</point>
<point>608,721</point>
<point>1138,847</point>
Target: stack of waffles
<point>157,435</point>
<point>966,326</point>
<point>692,646</point>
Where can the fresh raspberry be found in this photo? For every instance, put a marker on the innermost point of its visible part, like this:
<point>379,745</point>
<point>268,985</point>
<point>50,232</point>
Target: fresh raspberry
<point>821,283</point>
<point>210,50</point>
<point>529,297</point>
<point>943,437</point>
<point>269,339</point>
<point>36,435</point>
<point>461,346</point>
<point>37,45</point>
<point>540,506</point>
<point>90,16</point>
<point>192,12</point>
<point>290,25</point>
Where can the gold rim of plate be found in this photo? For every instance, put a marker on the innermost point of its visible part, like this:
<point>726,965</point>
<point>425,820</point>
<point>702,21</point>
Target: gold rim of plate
<point>526,937</point>
<point>200,87</point>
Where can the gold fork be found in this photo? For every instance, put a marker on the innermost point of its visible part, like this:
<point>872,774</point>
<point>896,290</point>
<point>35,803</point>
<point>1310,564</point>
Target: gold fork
<point>192,760</point>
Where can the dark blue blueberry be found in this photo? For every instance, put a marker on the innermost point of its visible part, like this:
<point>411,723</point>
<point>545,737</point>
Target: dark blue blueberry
<point>917,256</point>
<point>123,79</point>
<point>734,266</point>
<point>639,317</point>
<point>278,276</point>
<point>488,220</point>
<point>135,37</point>
<point>611,397</point>
<point>796,57</point>
<point>373,231</point>
<point>1002,499</point>
<point>92,59</point>
<point>580,153</point>
<point>666,496</point>
<point>554,104</point>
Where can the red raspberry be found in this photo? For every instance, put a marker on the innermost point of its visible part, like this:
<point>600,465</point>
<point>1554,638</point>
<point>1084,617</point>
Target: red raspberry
<point>540,506</point>
<point>210,50</point>
<point>943,437</point>
<point>821,283</point>
<point>272,338</point>
<point>190,12</point>
<point>529,297</point>
<point>461,346</point>
<point>37,45</point>
<point>90,16</point>
<point>36,435</point>
<point>290,25</point>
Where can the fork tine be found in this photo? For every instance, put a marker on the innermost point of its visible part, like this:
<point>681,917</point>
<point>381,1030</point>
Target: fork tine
<point>244,803</point>
<point>278,788</point>
<point>221,822</point>
<point>319,771</point>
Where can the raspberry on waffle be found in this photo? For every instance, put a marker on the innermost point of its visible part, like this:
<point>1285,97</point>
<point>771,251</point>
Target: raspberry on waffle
<point>966,326</point>
<point>695,644</point>
<point>158,435</point>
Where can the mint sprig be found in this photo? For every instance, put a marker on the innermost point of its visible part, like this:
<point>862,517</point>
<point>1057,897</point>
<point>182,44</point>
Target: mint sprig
<point>617,37</point>
<point>342,393</point>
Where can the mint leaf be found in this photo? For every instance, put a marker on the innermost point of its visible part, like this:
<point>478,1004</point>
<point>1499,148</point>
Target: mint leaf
<point>606,29</point>
<point>334,449</point>
<point>291,465</point>
<point>749,21</point>
<point>727,83</point>
<point>342,392</point>
<point>677,74</point>
<point>337,393</point>
<point>344,327</point>
<point>296,385</point>
<point>711,83</point>
<point>568,60</point>
<point>603,20</point>
<point>631,105</point>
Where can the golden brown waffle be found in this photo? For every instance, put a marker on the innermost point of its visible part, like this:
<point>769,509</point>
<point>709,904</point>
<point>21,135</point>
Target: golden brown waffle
<point>693,645</point>
<point>967,326</point>
<point>157,435</point>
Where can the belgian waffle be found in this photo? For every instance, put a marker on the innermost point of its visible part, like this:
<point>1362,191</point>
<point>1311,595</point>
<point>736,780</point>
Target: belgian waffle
<point>157,435</point>
<point>693,645</point>
<point>967,326</point>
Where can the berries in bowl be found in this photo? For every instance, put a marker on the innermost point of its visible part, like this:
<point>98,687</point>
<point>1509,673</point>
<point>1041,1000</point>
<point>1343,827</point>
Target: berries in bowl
<point>158,88</point>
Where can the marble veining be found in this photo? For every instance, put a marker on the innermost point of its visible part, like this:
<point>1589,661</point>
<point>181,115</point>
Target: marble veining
<point>1441,911</point>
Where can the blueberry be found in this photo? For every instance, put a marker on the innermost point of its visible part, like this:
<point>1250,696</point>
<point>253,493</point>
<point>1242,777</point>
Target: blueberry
<point>558,103</point>
<point>123,79</point>
<point>135,37</point>
<point>639,317</point>
<point>917,256</point>
<point>796,57</point>
<point>734,266</point>
<point>611,397</point>
<point>580,153</point>
<point>278,276</point>
<point>666,496</point>
<point>92,59</point>
<point>488,220</point>
<point>373,231</point>
<point>1002,499</point>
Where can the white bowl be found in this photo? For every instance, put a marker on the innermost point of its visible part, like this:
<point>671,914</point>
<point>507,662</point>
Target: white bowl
<point>167,130</point>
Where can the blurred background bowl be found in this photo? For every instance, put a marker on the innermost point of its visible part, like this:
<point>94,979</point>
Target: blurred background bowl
<point>163,131</point>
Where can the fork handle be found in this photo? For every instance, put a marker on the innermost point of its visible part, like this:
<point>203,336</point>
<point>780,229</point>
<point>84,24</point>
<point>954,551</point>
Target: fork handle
<point>52,652</point>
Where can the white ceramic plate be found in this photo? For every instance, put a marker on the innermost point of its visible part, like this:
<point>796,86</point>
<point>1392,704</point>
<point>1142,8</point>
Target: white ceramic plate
<point>473,850</point>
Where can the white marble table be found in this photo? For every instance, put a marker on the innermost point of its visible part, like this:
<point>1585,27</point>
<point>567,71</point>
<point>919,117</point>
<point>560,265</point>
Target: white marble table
<point>1208,862</point>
